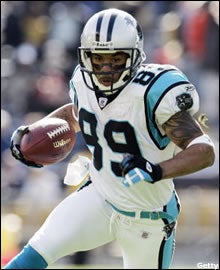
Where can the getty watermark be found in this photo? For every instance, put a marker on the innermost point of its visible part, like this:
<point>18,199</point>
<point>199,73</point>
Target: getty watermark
<point>202,265</point>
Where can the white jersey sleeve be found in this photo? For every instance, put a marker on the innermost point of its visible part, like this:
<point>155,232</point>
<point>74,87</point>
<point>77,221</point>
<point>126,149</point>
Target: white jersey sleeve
<point>168,92</point>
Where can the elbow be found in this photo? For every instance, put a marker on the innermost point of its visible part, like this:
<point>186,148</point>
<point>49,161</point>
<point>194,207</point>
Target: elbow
<point>209,154</point>
<point>212,158</point>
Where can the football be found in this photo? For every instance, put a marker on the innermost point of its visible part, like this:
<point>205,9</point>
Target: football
<point>48,141</point>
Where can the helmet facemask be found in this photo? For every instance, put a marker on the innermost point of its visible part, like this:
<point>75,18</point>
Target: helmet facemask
<point>127,70</point>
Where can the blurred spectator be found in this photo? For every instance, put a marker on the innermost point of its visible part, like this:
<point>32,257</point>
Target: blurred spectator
<point>13,32</point>
<point>36,23</point>
<point>49,92</point>
<point>211,54</point>
<point>6,122</point>
<point>201,41</point>
<point>201,28</point>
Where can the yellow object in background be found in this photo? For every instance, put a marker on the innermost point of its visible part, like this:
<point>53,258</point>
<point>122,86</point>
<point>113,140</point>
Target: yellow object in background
<point>10,236</point>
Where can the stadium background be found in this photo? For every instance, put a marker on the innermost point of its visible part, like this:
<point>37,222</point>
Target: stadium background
<point>38,54</point>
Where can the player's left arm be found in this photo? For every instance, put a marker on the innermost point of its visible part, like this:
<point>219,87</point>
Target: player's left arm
<point>198,149</point>
<point>197,153</point>
<point>174,115</point>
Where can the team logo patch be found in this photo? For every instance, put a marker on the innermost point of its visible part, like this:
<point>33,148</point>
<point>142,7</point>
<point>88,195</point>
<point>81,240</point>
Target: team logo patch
<point>184,101</point>
<point>102,102</point>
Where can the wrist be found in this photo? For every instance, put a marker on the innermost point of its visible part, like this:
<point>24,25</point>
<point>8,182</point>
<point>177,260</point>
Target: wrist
<point>157,172</point>
<point>134,161</point>
<point>154,170</point>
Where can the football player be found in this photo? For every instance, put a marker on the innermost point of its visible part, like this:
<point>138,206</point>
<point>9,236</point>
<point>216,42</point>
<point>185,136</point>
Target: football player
<point>137,120</point>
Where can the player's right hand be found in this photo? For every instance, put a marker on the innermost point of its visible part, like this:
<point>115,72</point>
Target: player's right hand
<point>15,146</point>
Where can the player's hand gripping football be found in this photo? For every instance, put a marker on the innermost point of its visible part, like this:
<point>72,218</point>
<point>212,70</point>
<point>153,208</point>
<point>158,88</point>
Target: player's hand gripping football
<point>15,146</point>
<point>136,168</point>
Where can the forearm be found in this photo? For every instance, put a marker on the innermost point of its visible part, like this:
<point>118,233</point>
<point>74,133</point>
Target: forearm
<point>66,112</point>
<point>190,160</point>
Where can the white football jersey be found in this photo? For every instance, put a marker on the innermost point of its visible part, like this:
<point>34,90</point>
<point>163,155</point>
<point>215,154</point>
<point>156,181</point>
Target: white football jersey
<point>132,123</point>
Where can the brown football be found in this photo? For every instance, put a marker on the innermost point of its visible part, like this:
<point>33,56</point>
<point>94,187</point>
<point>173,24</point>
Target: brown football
<point>48,141</point>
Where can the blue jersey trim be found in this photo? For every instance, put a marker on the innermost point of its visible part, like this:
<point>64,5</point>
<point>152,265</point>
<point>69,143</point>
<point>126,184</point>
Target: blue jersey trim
<point>155,91</point>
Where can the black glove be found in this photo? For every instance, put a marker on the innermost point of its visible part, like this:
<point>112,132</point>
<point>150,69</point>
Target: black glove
<point>136,168</point>
<point>15,146</point>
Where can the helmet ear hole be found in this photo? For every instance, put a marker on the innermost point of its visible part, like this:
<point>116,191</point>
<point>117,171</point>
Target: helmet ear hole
<point>111,31</point>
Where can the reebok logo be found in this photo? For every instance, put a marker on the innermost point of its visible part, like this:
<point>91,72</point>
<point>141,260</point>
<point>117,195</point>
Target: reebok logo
<point>102,102</point>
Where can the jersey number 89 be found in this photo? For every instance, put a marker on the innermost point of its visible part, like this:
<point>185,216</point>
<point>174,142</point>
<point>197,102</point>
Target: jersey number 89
<point>92,139</point>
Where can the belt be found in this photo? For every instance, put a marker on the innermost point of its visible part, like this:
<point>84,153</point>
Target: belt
<point>143,214</point>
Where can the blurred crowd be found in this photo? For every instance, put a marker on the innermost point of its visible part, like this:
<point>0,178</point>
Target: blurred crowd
<point>39,41</point>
